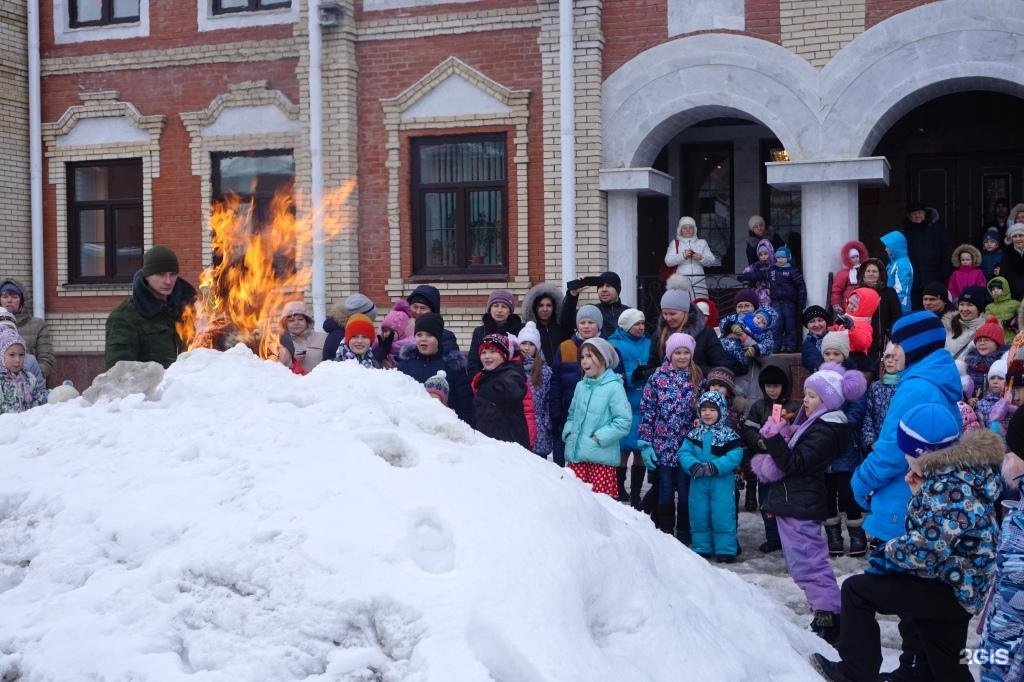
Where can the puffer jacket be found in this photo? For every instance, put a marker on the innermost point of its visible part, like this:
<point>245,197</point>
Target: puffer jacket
<point>1003,307</point>
<point>757,275</point>
<point>951,532</point>
<point>599,417</point>
<point>1004,621</point>
<point>12,398</point>
<point>965,275</point>
<point>421,367</point>
<point>786,285</point>
<point>763,340</point>
<point>810,352</point>
<point>551,333</point>
<point>899,272</point>
<point>309,346</point>
<point>565,374</point>
<point>675,256</point>
<point>667,411</point>
<point>142,329</point>
<point>932,379</point>
<point>862,334</point>
<point>846,279</point>
<point>512,325</point>
<point>498,403</point>
<point>33,330</point>
<point>852,451</point>
<point>801,493</point>
<point>541,406</point>
<point>633,352</point>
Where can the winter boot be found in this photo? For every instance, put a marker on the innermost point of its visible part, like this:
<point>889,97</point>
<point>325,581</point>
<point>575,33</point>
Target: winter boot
<point>683,526</point>
<point>830,670</point>
<point>834,535</point>
<point>750,503</point>
<point>826,626</point>
<point>858,540</point>
<point>620,480</point>
<point>636,484</point>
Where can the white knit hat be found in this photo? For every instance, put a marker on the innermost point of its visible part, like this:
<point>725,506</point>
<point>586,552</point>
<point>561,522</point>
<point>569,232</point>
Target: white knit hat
<point>629,317</point>
<point>998,368</point>
<point>530,333</point>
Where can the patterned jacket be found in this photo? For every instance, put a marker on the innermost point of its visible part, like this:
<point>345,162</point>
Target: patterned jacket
<point>1004,622</point>
<point>984,407</point>
<point>951,529</point>
<point>764,339</point>
<point>12,398</point>
<point>541,406</point>
<point>878,396</point>
<point>667,410</point>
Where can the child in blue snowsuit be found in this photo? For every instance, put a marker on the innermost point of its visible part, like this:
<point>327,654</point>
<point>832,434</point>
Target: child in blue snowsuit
<point>899,272</point>
<point>710,454</point>
<point>789,295</point>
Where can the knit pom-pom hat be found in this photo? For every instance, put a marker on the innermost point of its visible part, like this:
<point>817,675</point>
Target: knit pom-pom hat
<point>835,385</point>
<point>497,342</point>
<point>437,386</point>
<point>991,329</point>
<point>925,428</point>
<point>530,333</point>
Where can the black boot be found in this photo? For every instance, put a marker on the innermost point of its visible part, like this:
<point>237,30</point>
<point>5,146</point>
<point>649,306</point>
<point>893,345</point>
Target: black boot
<point>683,525</point>
<point>830,670</point>
<point>834,535</point>
<point>636,484</point>
<point>750,503</point>
<point>826,626</point>
<point>858,540</point>
<point>620,480</point>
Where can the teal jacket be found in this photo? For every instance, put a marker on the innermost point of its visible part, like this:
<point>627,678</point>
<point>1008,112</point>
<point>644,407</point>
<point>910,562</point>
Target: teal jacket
<point>598,418</point>
<point>899,272</point>
<point>726,459</point>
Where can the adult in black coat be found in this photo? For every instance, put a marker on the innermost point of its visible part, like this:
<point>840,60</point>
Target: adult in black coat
<point>498,403</point>
<point>757,230</point>
<point>1013,262</point>
<point>608,284</point>
<point>872,274</point>
<point>427,299</point>
<point>541,305</point>
<point>927,247</point>
<point>499,318</point>
<point>424,358</point>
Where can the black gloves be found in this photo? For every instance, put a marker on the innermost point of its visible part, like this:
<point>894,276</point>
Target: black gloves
<point>640,375</point>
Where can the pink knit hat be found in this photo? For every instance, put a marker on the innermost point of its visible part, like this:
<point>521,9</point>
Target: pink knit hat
<point>679,340</point>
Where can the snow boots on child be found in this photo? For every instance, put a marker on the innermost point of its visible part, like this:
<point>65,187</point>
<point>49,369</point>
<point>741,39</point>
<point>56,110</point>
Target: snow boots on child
<point>834,536</point>
<point>826,626</point>
<point>858,539</point>
<point>636,484</point>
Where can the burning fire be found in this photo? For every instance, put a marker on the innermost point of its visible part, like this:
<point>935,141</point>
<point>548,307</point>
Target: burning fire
<point>255,272</point>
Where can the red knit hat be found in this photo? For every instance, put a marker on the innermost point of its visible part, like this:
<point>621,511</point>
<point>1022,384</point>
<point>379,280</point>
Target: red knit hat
<point>358,324</point>
<point>991,330</point>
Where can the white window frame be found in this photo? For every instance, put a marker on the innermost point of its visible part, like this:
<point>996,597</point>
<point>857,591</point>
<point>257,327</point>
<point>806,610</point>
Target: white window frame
<point>63,34</point>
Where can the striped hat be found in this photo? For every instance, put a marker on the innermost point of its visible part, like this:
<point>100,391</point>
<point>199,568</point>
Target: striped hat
<point>925,428</point>
<point>918,334</point>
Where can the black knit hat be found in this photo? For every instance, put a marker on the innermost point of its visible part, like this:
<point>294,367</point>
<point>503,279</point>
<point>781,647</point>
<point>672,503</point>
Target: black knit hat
<point>813,311</point>
<point>611,278</point>
<point>431,323</point>
<point>976,296</point>
<point>773,374</point>
<point>936,289</point>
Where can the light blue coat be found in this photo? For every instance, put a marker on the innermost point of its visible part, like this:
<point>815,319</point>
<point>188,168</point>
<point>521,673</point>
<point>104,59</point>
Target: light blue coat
<point>598,418</point>
<point>899,272</point>
<point>633,352</point>
<point>933,379</point>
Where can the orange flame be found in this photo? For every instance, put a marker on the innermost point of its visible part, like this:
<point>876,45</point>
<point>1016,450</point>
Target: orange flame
<point>255,272</point>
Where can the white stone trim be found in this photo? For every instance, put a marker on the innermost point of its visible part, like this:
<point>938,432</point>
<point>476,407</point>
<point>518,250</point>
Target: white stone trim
<point>687,16</point>
<point>517,117</point>
<point>96,106</point>
<point>651,97</point>
<point>869,170</point>
<point>913,57</point>
<point>637,180</point>
<point>244,96</point>
<point>206,20</point>
<point>63,34</point>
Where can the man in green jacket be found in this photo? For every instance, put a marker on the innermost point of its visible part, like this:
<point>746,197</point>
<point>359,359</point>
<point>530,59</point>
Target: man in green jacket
<point>142,327</point>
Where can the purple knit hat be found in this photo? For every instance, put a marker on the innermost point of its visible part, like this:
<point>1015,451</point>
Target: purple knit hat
<point>835,385</point>
<point>748,295</point>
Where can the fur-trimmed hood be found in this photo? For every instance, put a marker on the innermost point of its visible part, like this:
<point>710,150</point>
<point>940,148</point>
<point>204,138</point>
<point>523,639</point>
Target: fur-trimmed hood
<point>536,292</point>
<point>969,248</point>
<point>976,449</point>
<point>844,255</point>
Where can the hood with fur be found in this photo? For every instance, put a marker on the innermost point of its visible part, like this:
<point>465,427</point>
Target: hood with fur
<point>973,250</point>
<point>536,292</point>
<point>979,448</point>
<point>844,254</point>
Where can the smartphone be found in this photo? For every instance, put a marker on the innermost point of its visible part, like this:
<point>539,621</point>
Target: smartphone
<point>777,412</point>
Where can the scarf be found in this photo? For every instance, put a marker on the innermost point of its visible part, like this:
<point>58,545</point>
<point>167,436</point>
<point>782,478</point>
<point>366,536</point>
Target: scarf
<point>23,383</point>
<point>891,378</point>
<point>803,422</point>
<point>721,435</point>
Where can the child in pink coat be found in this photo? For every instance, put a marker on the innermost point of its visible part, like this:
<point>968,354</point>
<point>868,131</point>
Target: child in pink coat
<point>967,272</point>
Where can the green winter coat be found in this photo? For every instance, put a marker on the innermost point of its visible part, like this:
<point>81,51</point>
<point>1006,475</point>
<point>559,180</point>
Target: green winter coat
<point>142,327</point>
<point>598,418</point>
<point>33,329</point>
<point>1002,307</point>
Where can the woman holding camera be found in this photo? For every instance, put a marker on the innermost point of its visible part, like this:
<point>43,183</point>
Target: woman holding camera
<point>689,254</point>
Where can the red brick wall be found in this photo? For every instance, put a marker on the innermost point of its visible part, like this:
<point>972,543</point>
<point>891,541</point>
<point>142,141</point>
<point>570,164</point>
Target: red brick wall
<point>877,11</point>
<point>176,192</point>
<point>630,27</point>
<point>388,67</point>
<point>453,8</point>
<point>763,20</point>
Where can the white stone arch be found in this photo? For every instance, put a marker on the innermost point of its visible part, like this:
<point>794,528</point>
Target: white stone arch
<point>913,57</point>
<point>650,98</point>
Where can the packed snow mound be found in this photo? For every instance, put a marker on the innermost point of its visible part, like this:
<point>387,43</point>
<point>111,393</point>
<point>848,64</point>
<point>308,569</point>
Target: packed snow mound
<point>244,523</point>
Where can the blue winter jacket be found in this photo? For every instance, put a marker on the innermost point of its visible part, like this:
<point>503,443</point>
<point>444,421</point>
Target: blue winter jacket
<point>853,452</point>
<point>725,458</point>
<point>598,418</point>
<point>810,352</point>
<point>933,379</point>
<point>899,272</point>
<point>633,352</point>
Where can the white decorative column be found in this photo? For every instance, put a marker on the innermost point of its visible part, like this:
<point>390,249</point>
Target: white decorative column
<point>623,186</point>
<point>829,215</point>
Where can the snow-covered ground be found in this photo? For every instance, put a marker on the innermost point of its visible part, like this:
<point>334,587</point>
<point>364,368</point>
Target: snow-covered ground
<point>244,523</point>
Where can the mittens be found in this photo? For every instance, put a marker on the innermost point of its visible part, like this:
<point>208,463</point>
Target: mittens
<point>648,454</point>
<point>697,470</point>
<point>772,428</point>
<point>751,351</point>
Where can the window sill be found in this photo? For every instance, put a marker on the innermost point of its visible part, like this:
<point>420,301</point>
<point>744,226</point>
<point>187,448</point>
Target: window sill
<point>461,277</point>
<point>243,19</point>
<point>94,289</point>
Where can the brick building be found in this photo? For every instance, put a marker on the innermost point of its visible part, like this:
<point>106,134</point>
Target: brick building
<point>447,115</point>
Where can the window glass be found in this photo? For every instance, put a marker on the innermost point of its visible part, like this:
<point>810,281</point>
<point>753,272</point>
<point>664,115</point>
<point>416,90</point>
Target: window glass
<point>88,10</point>
<point>91,238</point>
<point>105,207</point>
<point>126,9</point>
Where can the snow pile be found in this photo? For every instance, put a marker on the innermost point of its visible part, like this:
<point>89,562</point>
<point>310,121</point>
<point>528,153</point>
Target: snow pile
<point>245,523</point>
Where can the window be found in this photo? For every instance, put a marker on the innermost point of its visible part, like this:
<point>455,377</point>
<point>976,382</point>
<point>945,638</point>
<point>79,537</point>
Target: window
<point>782,208</point>
<point>708,198</point>
<point>105,214</point>
<point>102,12</point>
<point>459,189</point>
<point>229,6</point>
<point>254,177</point>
